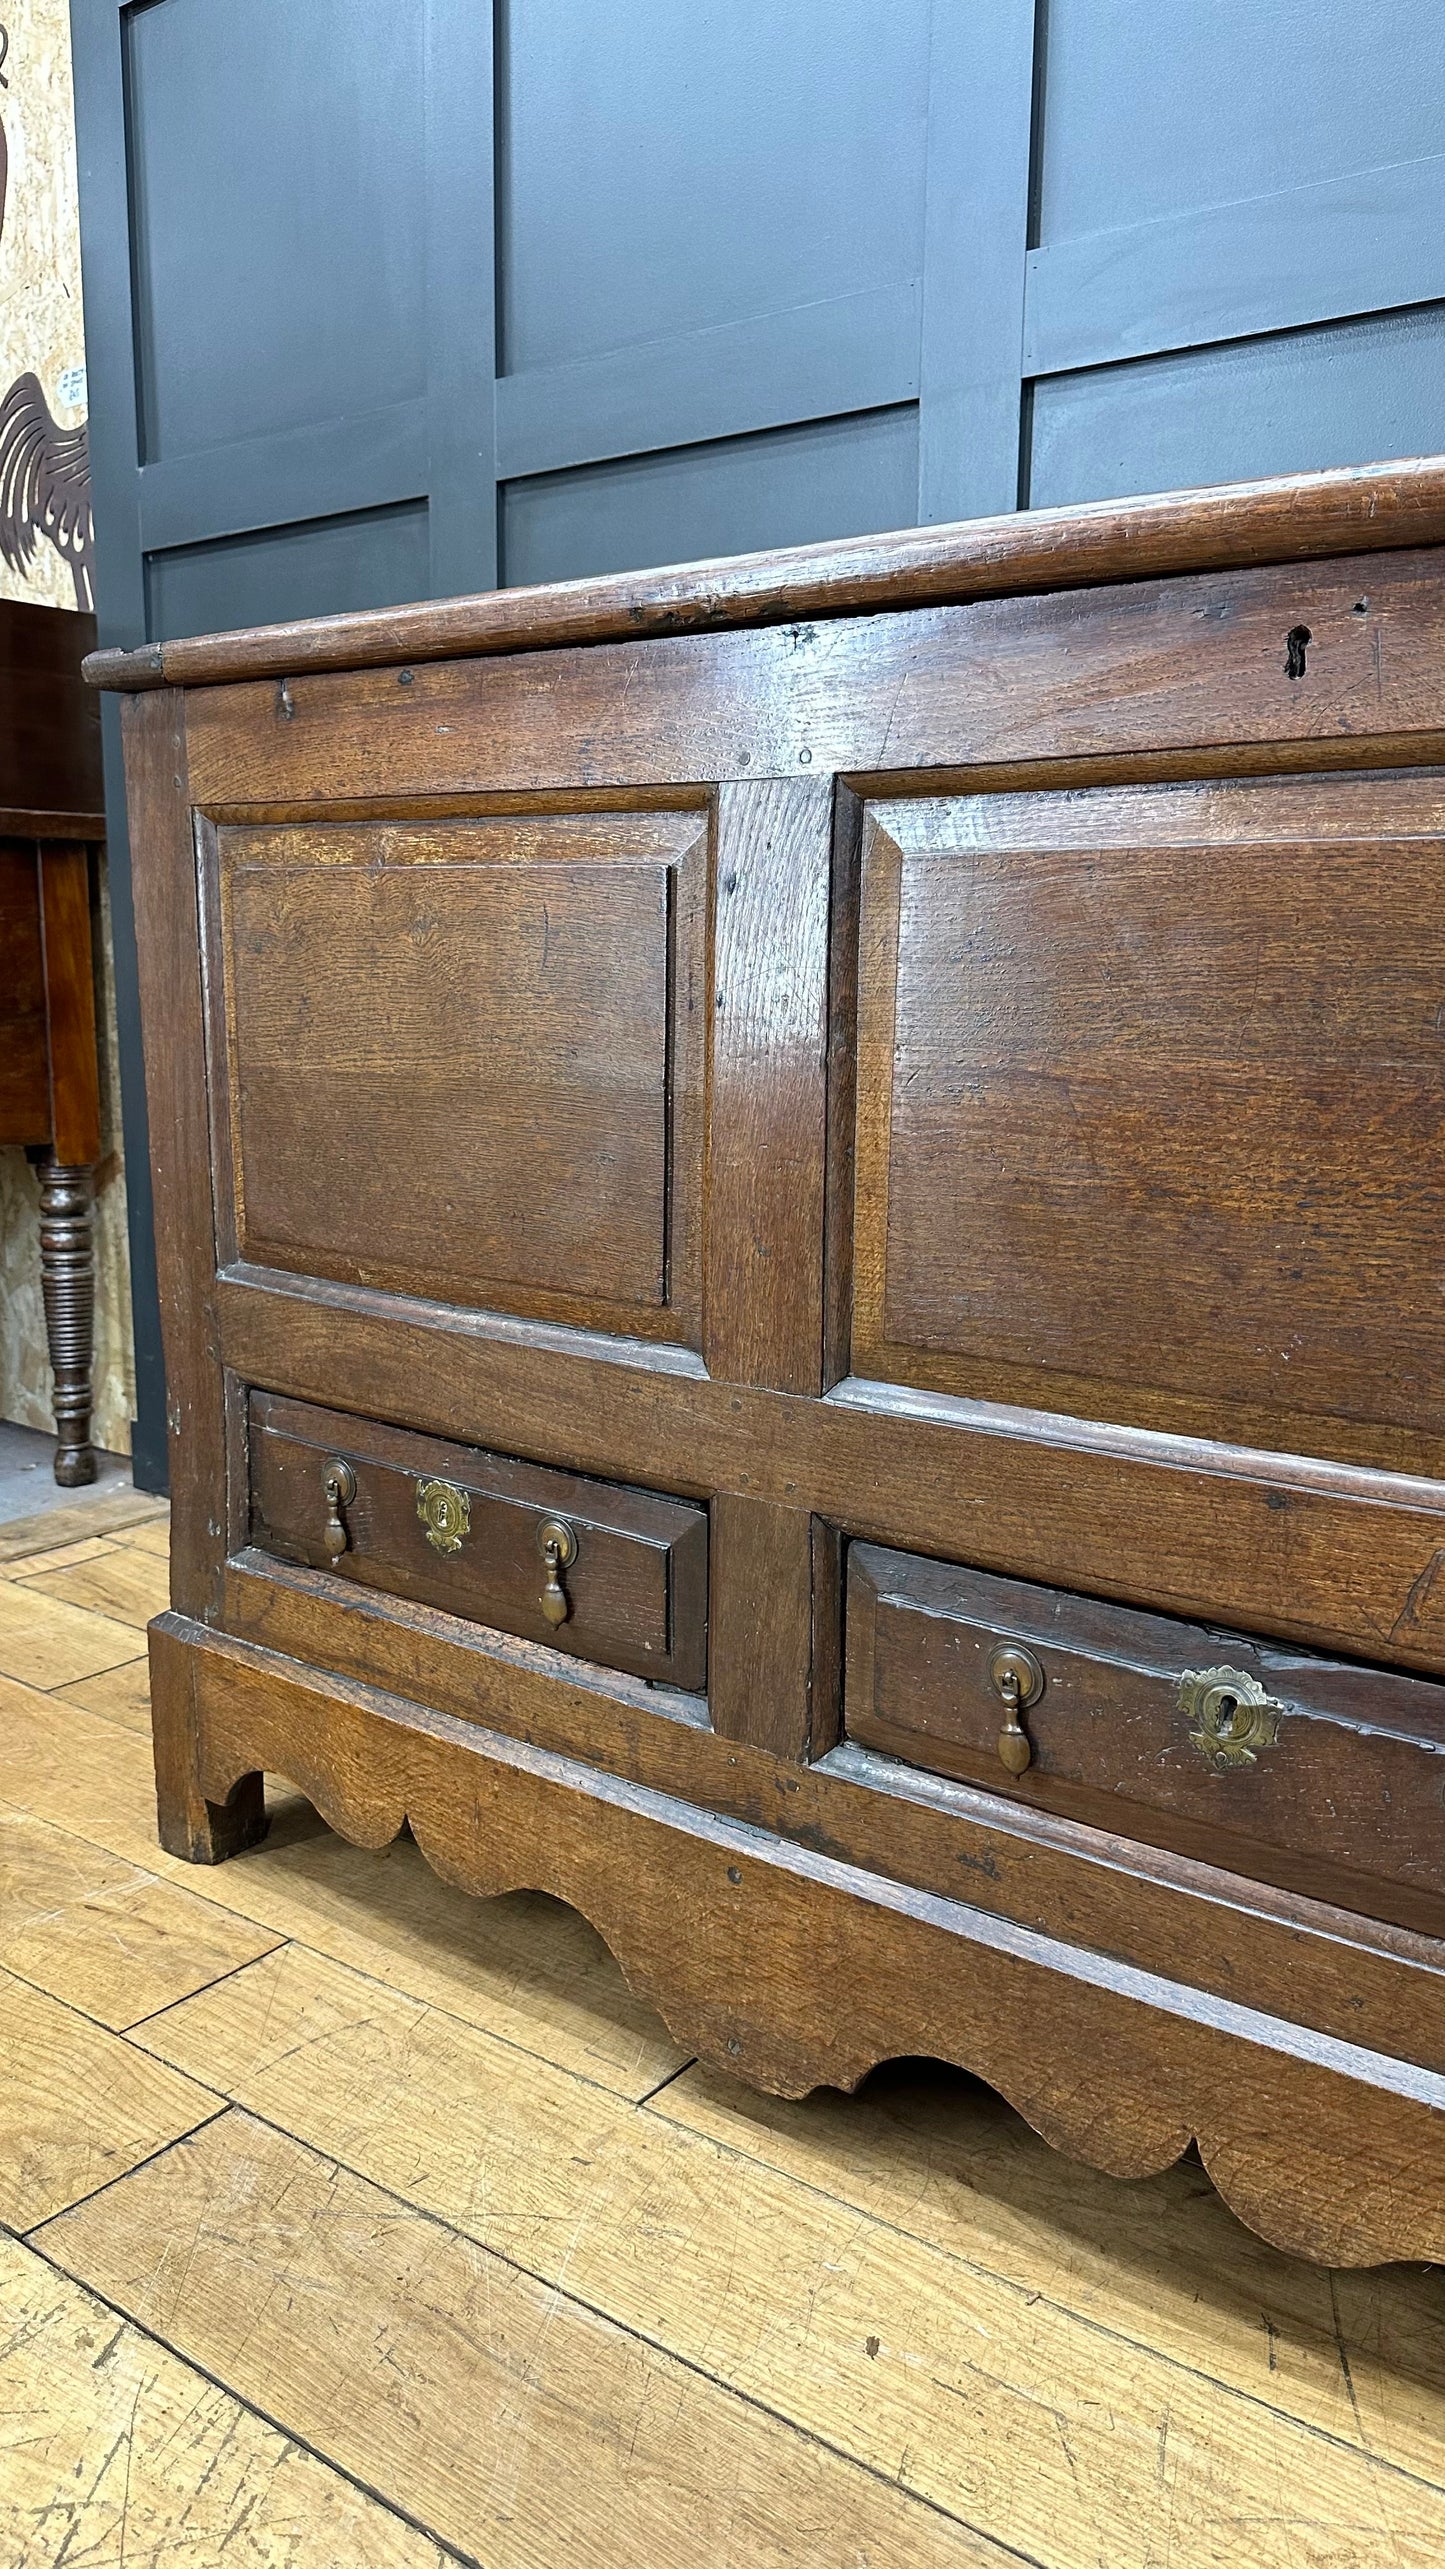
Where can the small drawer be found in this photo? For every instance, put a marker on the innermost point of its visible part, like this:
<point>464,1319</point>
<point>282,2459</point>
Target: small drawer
<point>1316,1775</point>
<point>618,1576</point>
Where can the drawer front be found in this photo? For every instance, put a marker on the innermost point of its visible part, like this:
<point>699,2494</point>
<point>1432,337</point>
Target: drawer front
<point>1323,1777</point>
<point>618,1576</point>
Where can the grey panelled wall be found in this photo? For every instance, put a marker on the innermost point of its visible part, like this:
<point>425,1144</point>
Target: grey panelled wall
<point>394,298</point>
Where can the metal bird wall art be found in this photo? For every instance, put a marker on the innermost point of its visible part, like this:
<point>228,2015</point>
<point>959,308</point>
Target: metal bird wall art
<point>44,485</point>
<point>44,469</point>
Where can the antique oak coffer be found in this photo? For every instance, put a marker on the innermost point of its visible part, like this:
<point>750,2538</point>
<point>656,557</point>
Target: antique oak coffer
<point>801,1246</point>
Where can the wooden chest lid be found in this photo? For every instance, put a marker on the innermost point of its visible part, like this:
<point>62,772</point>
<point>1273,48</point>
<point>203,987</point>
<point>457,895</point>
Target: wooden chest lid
<point>1296,518</point>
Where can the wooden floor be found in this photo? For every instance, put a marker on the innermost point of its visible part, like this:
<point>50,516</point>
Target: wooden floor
<point>350,2223</point>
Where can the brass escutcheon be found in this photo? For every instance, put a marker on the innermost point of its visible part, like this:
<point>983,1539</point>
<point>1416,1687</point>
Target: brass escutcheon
<point>338,1486</point>
<point>1233,1717</point>
<point>1017,1680</point>
<point>446,1512</point>
<point>557,1543</point>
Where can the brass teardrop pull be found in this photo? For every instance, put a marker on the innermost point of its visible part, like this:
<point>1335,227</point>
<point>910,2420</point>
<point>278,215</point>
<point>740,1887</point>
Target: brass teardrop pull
<point>557,1543</point>
<point>338,1482</point>
<point>1017,1680</point>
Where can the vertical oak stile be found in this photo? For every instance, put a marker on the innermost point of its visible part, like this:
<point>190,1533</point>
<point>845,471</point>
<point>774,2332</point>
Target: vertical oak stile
<point>763,1292</point>
<point>168,940</point>
<point>766,1193</point>
<point>768,1566</point>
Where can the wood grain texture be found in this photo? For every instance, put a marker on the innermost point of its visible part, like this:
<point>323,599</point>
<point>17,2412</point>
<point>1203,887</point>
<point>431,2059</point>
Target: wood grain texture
<point>314,2293</point>
<point>1160,2263</point>
<point>1351,2362</point>
<point>103,1936</point>
<point>77,2105</point>
<point>636,1590</point>
<point>63,1556</point>
<point>86,1775</point>
<point>1349,1562</point>
<point>996,2404</point>
<point>527,1969</point>
<point>24,1081</point>
<point>169,962</point>
<point>152,1536</point>
<point>1343,1801</point>
<point>111,1512</point>
<point>197,1827</point>
<point>114,2452</point>
<point>121,1695</point>
<point>910,1974</point>
<point>774,1593</point>
<point>52,1641</point>
<point>70,1004</point>
<point>1145,1151</point>
<point>767,1113</point>
<point>1283,520</point>
<point>1183,665</point>
<point>50,747</point>
<point>125,1587</point>
<point>1316,1964</point>
<point>1169,904</point>
<point>530,1079</point>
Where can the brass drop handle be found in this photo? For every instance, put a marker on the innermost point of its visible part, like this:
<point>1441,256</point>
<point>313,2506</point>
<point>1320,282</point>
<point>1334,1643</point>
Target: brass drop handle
<point>338,1482</point>
<point>1017,1680</point>
<point>557,1543</point>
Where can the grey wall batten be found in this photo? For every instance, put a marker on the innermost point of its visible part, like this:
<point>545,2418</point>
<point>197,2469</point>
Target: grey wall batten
<point>397,298</point>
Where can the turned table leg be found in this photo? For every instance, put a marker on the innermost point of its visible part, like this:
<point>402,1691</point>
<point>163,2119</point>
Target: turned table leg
<point>67,1277</point>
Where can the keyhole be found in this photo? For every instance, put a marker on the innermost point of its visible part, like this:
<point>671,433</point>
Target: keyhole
<point>1296,644</point>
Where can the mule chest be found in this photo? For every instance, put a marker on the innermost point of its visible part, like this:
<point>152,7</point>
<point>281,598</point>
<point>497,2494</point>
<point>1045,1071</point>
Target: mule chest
<point>799,1211</point>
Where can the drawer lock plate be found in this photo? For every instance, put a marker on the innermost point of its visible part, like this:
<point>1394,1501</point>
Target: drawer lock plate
<point>1232,1716</point>
<point>446,1512</point>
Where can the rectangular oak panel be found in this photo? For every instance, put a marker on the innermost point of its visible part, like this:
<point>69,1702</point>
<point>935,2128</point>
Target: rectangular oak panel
<point>1151,1119</point>
<point>463,1059</point>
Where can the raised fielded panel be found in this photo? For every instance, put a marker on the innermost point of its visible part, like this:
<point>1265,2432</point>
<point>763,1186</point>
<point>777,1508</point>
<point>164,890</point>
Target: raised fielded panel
<point>1150,1107</point>
<point>463,1059</point>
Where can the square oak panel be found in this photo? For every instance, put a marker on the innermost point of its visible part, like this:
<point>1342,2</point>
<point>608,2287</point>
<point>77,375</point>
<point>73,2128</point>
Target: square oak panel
<point>1151,1107</point>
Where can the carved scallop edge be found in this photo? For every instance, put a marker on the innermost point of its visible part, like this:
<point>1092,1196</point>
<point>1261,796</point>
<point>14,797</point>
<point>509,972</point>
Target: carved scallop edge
<point>792,1970</point>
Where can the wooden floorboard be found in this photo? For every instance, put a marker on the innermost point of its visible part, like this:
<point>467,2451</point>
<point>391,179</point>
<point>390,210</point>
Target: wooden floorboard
<point>114,2455</point>
<point>416,2182</point>
<point>376,2332</point>
<point>103,1935</point>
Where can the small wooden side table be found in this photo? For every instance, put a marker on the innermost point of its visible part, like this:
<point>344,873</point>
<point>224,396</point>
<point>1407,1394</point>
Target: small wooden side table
<point>51,816</point>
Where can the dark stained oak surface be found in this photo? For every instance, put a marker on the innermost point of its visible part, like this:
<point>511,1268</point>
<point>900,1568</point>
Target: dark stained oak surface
<point>24,1080</point>
<point>50,779</point>
<point>1150,1104</point>
<point>1347,1801</point>
<point>1140,668</point>
<point>636,1592</point>
<point>512,1108</point>
<point>930,1049</point>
